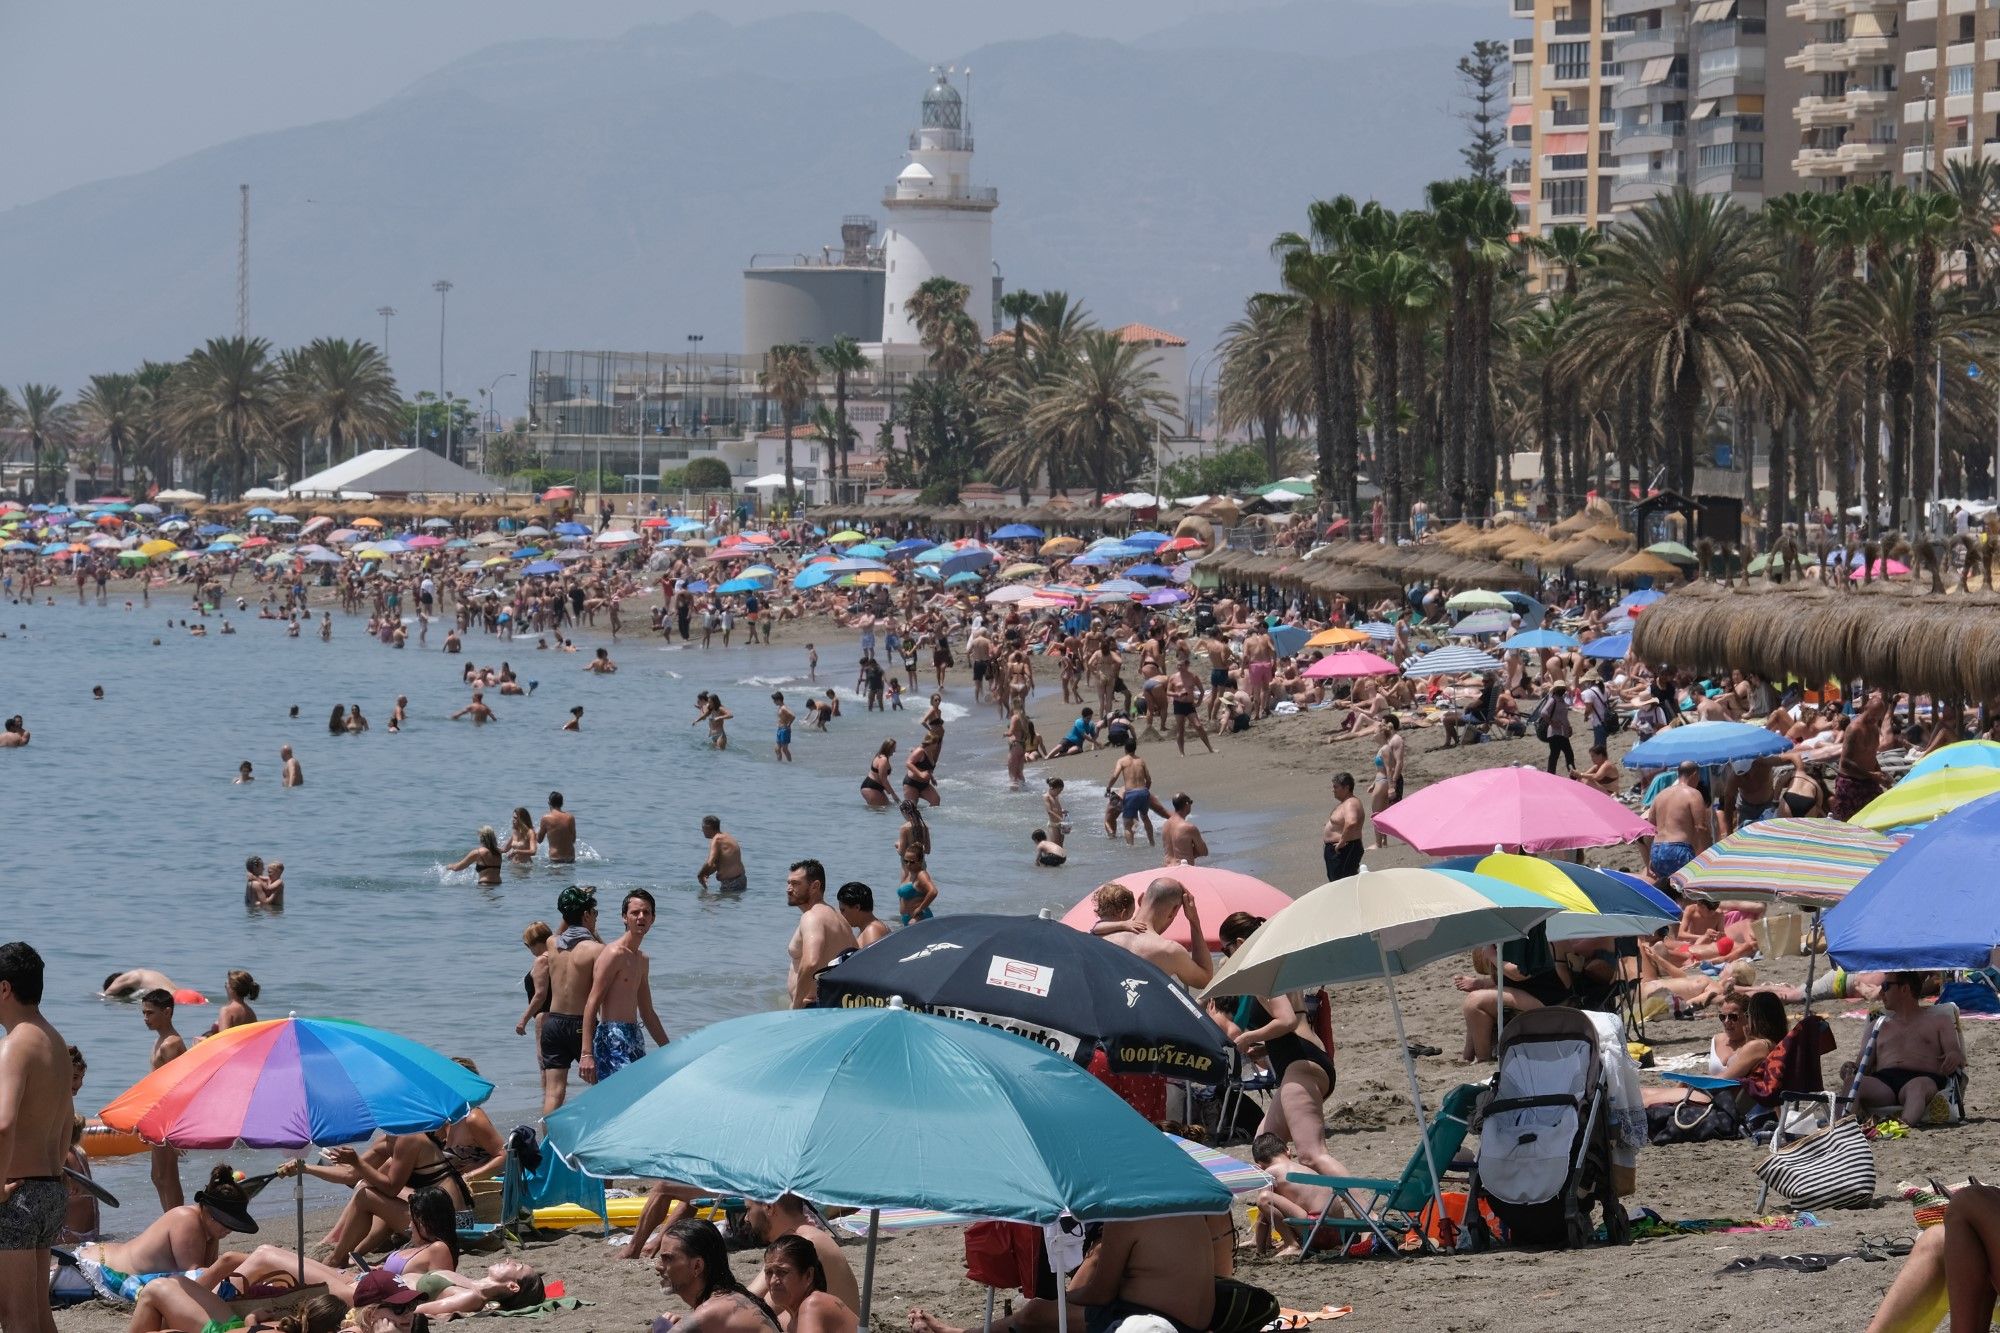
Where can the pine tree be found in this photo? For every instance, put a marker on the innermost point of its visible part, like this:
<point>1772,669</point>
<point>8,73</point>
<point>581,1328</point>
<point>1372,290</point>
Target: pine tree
<point>1486,73</point>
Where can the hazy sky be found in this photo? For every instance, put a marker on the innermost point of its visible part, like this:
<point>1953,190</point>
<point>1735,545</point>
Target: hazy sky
<point>96,88</point>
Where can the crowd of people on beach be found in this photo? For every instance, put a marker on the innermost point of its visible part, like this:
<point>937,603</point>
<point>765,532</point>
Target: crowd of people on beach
<point>1209,665</point>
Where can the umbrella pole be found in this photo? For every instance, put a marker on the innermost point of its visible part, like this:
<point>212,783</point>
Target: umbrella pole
<point>299,1206</point>
<point>1812,954</point>
<point>868,1265</point>
<point>1062,1301</point>
<point>1410,1070</point>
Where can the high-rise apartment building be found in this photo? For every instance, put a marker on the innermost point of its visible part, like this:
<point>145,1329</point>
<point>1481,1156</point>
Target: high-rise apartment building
<point>1960,50</point>
<point>1618,100</point>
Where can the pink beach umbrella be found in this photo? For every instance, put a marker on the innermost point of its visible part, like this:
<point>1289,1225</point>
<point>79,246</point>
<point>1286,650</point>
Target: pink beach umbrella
<point>1880,569</point>
<point>1512,809</point>
<point>1217,893</point>
<point>1359,662</point>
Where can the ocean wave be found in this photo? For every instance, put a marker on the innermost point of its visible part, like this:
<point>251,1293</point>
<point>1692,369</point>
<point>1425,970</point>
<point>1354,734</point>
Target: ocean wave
<point>770,682</point>
<point>951,712</point>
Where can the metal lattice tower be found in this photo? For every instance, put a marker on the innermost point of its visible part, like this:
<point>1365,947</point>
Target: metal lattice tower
<point>243,264</point>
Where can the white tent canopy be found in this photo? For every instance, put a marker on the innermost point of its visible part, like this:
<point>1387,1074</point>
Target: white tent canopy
<point>396,472</point>
<point>768,480</point>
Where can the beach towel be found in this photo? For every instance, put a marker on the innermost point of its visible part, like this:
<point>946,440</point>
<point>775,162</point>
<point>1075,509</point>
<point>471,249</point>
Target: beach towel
<point>1289,1318</point>
<point>547,1307</point>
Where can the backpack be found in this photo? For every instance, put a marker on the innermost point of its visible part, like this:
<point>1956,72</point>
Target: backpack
<point>1540,717</point>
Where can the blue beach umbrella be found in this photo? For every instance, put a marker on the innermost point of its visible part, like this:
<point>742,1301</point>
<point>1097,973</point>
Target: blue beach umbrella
<point>210,530</point>
<point>812,576</point>
<point>526,553</point>
<point>1288,639</point>
<point>1927,906</point>
<point>1157,572</point>
<point>960,579</point>
<point>1484,622</point>
<point>1128,586</point>
<point>736,587</point>
<point>1610,648</point>
<point>1706,743</point>
<point>20,546</point>
<point>698,585</point>
<point>1633,601</point>
<point>1619,905</point>
<point>852,566</point>
<point>571,530</point>
<point>261,512</point>
<point>865,551</point>
<point>1090,560</point>
<point>539,567</point>
<point>1018,532</point>
<point>1538,639</point>
<point>971,560</point>
<point>1148,540</point>
<point>62,548</point>
<point>882,1107</point>
<point>908,547</point>
<point>1379,630</point>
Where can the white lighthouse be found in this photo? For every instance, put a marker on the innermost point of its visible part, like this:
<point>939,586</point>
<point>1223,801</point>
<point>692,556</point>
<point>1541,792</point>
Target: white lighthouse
<point>940,224</point>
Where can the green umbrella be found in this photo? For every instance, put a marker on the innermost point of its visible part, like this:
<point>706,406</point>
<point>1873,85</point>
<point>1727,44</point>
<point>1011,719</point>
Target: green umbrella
<point>1672,551</point>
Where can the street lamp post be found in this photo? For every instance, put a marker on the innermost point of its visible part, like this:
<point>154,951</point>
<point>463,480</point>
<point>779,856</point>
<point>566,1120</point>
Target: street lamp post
<point>491,418</point>
<point>687,381</point>
<point>387,312</point>
<point>443,288</point>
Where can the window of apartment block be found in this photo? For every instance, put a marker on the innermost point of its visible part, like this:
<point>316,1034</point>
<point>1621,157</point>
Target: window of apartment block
<point>1959,80</point>
<point>1603,196</point>
<point>1565,198</point>
<point>1571,60</point>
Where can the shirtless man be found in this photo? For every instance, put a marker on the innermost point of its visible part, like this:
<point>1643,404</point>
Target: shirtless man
<point>1340,849</point>
<point>979,652</point>
<point>788,1217</point>
<point>1260,664</point>
<point>1145,1275</point>
<point>1679,815</point>
<point>1179,837</point>
<point>821,937</point>
<point>477,709</point>
<point>1752,794</point>
<point>1916,1052</point>
<point>601,664</point>
<point>36,1114</point>
<point>572,966</point>
<point>621,996</point>
<point>783,747</point>
<point>1600,772</point>
<point>156,1007</point>
<point>137,981</point>
<point>557,831</point>
<point>1861,778</point>
<point>1184,692</point>
<point>857,909</point>
<point>725,859</point>
<point>1136,780</point>
<point>1216,646</point>
<point>294,776</point>
<point>1142,928</point>
<point>15,735</point>
<point>693,1263</point>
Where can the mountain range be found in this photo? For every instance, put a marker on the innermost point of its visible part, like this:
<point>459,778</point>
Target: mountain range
<point>606,194</point>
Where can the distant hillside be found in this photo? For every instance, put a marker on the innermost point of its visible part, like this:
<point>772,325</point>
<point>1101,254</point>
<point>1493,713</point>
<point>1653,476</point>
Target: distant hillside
<point>1341,27</point>
<point>596,194</point>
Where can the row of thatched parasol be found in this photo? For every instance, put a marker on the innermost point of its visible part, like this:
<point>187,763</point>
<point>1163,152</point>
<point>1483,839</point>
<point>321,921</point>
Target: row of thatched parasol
<point>488,507</point>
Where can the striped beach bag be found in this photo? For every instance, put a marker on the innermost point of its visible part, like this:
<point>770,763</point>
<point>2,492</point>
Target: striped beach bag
<point>1834,1168</point>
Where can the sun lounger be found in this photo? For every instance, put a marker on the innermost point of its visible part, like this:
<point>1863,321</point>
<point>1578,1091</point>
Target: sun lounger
<point>1392,1204</point>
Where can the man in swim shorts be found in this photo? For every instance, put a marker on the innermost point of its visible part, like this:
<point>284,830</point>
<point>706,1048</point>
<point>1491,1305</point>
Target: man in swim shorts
<point>725,859</point>
<point>786,717</point>
<point>37,1108</point>
<point>621,997</point>
<point>1138,803</point>
<point>1682,826</point>
<point>572,965</point>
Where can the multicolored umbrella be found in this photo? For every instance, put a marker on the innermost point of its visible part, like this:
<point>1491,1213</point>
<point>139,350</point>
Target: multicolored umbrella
<point>1811,862</point>
<point>1959,754</point>
<point>296,1083</point>
<point>1594,902</point>
<point>1920,800</point>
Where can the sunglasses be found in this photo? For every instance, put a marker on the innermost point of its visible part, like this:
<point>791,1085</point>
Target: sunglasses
<point>1732,1018</point>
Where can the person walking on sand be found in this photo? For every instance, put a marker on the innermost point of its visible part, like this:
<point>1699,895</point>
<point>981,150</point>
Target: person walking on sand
<point>1388,786</point>
<point>1681,824</point>
<point>1341,838</point>
<point>1184,691</point>
<point>621,997</point>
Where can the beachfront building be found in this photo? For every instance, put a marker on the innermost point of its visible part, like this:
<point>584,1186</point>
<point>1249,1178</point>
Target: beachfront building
<point>1615,101</point>
<point>940,223</point>
<point>1950,47</point>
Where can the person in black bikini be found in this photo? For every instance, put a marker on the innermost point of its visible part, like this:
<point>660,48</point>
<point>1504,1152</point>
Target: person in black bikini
<point>382,1178</point>
<point>1276,1028</point>
<point>875,787</point>
<point>917,782</point>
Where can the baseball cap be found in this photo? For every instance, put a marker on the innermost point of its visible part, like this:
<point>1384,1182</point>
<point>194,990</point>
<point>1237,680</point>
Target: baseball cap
<point>577,898</point>
<point>380,1287</point>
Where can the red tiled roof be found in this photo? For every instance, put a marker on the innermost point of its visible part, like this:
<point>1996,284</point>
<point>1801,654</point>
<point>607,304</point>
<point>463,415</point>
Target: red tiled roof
<point>1146,333</point>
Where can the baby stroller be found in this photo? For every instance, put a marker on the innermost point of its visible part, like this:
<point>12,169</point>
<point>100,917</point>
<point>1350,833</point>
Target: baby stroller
<point>1545,1136</point>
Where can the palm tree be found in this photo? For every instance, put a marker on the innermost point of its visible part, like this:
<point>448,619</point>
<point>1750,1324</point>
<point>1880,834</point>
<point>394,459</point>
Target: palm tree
<point>1105,407</point>
<point>155,442</point>
<point>116,408</point>
<point>1930,221</point>
<point>225,405</point>
<point>48,423</point>
<point>1975,184</point>
<point>1689,293</point>
<point>1264,380</point>
<point>341,391</point>
<point>1316,279</point>
<point>1801,224</point>
<point>937,308</point>
<point>789,378</point>
<point>1570,249</point>
<point>841,358</point>
<point>1016,306</point>
<point>1390,277</point>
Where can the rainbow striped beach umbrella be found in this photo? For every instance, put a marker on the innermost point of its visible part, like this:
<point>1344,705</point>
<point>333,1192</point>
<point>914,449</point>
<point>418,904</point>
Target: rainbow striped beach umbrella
<point>1812,862</point>
<point>296,1083</point>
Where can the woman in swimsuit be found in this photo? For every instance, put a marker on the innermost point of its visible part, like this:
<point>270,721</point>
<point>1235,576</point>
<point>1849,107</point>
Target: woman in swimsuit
<point>486,856</point>
<point>795,1282</point>
<point>473,1143</point>
<point>1275,1027</point>
<point>385,1180</point>
<point>917,783</point>
<point>433,1248</point>
<point>521,842</point>
<point>917,892</point>
<point>875,787</point>
<point>1805,795</point>
<point>915,835</point>
<point>181,1302</point>
<point>337,724</point>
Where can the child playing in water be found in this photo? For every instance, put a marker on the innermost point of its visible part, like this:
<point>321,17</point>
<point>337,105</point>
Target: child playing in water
<point>1058,817</point>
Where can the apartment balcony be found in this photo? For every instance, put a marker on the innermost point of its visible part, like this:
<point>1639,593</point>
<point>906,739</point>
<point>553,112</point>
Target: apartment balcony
<point>1565,30</point>
<point>1650,43</point>
<point>1821,112</point>
<point>1520,174</point>
<point>1810,11</point>
<point>1863,155</point>
<point>1923,59</point>
<point>1566,118</point>
<point>1868,101</point>
<point>1863,48</point>
<point>1821,58</point>
<point>1664,137</point>
<point>1956,105</point>
<point>1618,9</point>
<point>1629,93</point>
<point>1922,11</point>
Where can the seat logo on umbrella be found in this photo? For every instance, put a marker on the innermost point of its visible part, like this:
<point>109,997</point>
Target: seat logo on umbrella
<point>1013,974</point>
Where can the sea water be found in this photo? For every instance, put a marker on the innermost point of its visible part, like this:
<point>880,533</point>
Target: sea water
<point>123,834</point>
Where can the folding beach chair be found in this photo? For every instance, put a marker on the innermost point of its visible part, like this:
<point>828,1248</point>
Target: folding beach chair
<point>1399,1203</point>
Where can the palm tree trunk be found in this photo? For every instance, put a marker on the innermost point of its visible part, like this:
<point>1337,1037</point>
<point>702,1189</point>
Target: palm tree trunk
<point>1270,426</point>
<point>1388,460</point>
<point>1481,481</point>
<point>1545,436</point>
<point>1840,456</point>
<point>1323,414</point>
<point>1899,377</point>
<point>1778,487</point>
<point>1923,329</point>
<point>1871,446</point>
<point>1347,414</point>
<point>1410,467</point>
<point>1684,407</point>
<point>1458,369</point>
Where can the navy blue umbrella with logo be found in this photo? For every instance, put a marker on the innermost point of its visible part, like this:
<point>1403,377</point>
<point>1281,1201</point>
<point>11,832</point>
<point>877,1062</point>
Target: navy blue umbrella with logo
<point>1059,987</point>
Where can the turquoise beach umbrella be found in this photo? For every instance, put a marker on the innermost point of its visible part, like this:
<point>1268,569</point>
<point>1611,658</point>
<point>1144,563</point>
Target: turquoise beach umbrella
<point>1960,754</point>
